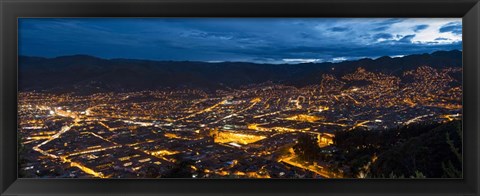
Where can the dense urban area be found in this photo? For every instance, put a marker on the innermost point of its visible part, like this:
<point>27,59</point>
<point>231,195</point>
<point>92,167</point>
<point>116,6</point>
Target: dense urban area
<point>356,125</point>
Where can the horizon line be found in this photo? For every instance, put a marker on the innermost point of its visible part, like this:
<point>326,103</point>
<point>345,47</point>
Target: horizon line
<point>283,61</point>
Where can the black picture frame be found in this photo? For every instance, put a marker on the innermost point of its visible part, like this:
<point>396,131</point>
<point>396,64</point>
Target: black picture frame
<point>10,10</point>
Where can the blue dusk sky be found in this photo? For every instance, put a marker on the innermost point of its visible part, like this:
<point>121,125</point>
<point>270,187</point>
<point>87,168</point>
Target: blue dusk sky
<point>260,40</point>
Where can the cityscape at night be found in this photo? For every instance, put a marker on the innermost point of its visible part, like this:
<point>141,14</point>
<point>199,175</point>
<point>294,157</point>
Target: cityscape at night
<point>240,98</point>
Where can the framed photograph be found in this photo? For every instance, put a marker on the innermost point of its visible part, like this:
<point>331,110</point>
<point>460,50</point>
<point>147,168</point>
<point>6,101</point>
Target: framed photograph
<point>239,97</point>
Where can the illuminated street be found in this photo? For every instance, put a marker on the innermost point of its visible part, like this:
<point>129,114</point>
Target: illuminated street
<point>113,135</point>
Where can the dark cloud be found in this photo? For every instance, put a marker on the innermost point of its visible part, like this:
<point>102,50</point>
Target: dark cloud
<point>454,27</point>
<point>407,39</point>
<point>305,35</point>
<point>441,39</point>
<point>382,36</point>
<point>418,28</point>
<point>339,29</point>
<point>382,28</point>
<point>385,24</point>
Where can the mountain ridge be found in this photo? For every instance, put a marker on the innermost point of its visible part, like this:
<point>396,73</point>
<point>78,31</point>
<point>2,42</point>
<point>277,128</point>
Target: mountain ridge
<point>91,73</point>
<point>435,53</point>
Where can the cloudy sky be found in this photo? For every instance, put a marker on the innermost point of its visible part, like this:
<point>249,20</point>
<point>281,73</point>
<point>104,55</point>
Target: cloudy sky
<point>261,40</point>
